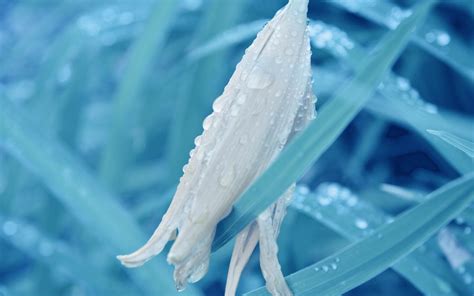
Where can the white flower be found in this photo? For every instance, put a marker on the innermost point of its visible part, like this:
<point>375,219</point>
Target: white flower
<point>267,100</point>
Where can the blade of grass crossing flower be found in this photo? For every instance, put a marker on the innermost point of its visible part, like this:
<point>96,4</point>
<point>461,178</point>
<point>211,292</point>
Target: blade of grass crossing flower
<point>126,110</point>
<point>80,192</point>
<point>321,133</point>
<point>358,220</point>
<point>226,39</point>
<point>365,259</point>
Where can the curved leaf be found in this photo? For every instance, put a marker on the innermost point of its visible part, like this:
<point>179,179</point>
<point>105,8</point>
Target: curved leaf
<point>365,259</point>
<point>354,218</point>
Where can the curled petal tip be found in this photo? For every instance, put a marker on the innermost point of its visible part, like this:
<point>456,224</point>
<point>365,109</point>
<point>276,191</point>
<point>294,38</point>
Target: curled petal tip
<point>130,261</point>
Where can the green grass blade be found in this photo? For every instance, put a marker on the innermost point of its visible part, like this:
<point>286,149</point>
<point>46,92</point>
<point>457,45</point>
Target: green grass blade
<point>365,259</point>
<point>226,39</point>
<point>389,15</point>
<point>464,145</point>
<point>296,158</point>
<point>79,191</point>
<point>58,256</point>
<point>353,218</point>
<point>118,151</point>
<point>402,103</point>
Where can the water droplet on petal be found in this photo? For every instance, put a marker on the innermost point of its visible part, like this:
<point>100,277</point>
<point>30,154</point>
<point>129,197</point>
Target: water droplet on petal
<point>289,51</point>
<point>218,104</point>
<point>241,99</point>
<point>234,110</point>
<point>208,122</point>
<point>227,177</point>
<point>259,79</point>
<point>197,140</point>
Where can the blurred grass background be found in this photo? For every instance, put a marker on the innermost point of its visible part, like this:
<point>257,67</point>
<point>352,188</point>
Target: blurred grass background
<point>100,102</point>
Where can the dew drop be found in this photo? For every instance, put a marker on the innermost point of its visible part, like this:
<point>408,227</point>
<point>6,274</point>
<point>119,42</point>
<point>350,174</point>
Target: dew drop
<point>259,79</point>
<point>234,111</point>
<point>334,266</point>
<point>443,39</point>
<point>208,122</point>
<point>325,268</point>
<point>333,190</point>
<point>197,140</point>
<point>227,177</point>
<point>10,228</point>
<point>361,223</point>
<point>241,99</point>
<point>324,201</point>
<point>403,84</point>
<point>180,287</point>
<point>289,51</point>
<point>278,60</point>
<point>218,104</point>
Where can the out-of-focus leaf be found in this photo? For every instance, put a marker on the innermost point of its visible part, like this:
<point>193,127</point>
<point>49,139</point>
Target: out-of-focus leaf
<point>365,259</point>
<point>298,156</point>
<point>401,102</point>
<point>126,110</point>
<point>344,212</point>
<point>80,192</point>
<point>58,255</point>
<point>431,37</point>
<point>193,100</point>
<point>226,39</point>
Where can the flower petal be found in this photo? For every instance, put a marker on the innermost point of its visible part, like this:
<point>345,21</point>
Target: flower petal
<point>252,121</point>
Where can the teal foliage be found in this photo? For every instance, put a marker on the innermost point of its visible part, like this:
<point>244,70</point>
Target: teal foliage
<point>100,102</point>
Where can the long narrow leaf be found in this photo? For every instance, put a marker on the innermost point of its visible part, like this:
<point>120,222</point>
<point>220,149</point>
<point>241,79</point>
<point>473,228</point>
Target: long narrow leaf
<point>390,15</point>
<point>312,142</point>
<point>58,255</point>
<point>352,217</point>
<point>464,145</point>
<point>400,101</point>
<point>367,258</point>
<point>193,101</point>
<point>119,150</point>
<point>79,191</point>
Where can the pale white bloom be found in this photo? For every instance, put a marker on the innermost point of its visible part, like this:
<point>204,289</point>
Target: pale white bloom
<point>267,100</point>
